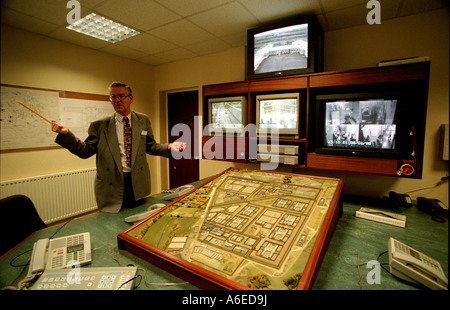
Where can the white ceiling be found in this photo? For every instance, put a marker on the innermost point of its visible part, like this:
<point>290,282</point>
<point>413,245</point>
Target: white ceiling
<point>173,30</point>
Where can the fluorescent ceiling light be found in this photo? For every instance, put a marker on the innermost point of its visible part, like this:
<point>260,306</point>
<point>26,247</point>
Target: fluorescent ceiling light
<point>102,28</point>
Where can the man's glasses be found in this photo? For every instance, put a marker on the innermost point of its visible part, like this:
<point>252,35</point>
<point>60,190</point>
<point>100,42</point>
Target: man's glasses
<point>120,97</point>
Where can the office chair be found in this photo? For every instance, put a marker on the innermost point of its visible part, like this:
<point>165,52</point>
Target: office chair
<point>18,220</point>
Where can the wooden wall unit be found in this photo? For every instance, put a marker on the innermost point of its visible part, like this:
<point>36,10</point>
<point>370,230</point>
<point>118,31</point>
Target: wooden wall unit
<point>225,148</point>
<point>410,77</point>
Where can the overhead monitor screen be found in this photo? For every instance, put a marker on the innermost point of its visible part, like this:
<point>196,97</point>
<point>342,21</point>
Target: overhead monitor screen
<point>281,49</point>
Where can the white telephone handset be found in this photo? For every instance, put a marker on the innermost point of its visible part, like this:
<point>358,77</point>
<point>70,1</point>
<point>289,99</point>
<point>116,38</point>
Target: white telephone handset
<point>178,192</point>
<point>414,266</point>
<point>38,257</point>
<point>58,253</point>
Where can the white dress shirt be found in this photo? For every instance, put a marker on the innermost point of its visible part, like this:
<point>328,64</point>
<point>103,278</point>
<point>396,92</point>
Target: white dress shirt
<point>119,131</point>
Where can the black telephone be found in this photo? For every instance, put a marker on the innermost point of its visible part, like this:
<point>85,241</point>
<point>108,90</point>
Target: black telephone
<point>434,207</point>
<point>398,201</point>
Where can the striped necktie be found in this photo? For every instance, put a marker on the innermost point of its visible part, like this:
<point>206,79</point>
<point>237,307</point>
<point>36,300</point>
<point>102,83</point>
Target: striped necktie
<point>127,139</point>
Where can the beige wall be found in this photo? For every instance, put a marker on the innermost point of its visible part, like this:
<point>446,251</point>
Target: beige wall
<point>358,47</point>
<point>36,61</point>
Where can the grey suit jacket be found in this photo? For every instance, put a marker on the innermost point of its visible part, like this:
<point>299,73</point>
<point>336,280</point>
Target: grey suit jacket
<point>102,141</point>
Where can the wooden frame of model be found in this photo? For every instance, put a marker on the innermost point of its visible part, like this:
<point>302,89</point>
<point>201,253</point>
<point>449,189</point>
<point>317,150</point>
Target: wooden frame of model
<point>243,229</point>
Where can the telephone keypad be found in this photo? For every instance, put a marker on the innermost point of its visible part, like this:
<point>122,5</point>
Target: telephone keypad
<point>102,278</point>
<point>423,258</point>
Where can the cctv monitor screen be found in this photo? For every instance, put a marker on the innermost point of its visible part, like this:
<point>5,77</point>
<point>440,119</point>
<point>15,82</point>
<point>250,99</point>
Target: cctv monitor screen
<point>368,124</point>
<point>281,49</point>
<point>278,112</point>
<point>227,115</point>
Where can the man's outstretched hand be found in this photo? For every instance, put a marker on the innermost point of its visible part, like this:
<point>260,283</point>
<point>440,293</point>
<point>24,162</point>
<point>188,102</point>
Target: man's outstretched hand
<point>177,146</point>
<point>59,128</point>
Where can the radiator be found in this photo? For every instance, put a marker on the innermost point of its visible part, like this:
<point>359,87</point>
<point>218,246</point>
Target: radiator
<point>56,196</point>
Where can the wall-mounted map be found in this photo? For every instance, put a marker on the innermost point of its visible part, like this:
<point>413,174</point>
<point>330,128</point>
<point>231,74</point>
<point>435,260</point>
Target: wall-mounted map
<point>21,129</point>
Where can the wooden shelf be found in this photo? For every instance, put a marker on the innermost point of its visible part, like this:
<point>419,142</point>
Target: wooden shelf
<point>225,89</point>
<point>367,165</point>
<point>410,76</point>
<point>232,149</point>
<point>369,76</point>
<point>278,84</point>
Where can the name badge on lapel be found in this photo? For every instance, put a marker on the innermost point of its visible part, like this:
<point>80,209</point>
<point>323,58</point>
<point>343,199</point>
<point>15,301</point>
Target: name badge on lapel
<point>143,132</point>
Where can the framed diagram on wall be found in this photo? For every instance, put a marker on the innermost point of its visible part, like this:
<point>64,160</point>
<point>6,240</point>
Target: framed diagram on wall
<point>23,130</point>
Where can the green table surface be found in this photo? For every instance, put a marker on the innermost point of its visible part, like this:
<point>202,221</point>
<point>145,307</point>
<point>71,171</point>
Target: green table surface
<point>357,241</point>
<point>344,267</point>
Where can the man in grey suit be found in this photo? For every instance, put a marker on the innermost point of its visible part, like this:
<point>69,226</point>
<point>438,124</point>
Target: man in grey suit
<point>119,182</point>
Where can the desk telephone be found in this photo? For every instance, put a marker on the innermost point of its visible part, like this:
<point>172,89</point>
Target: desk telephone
<point>411,265</point>
<point>434,207</point>
<point>59,252</point>
<point>51,261</point>
<point>398,201</point>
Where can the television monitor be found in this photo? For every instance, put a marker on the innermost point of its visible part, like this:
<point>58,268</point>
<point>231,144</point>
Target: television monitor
<point>279,112</point>
<point>227,115</point>
<point>370,125</point>
<point>287,47</point>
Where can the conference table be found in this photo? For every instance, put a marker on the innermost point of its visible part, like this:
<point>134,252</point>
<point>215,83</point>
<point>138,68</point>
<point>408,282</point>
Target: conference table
<point>346,265</point>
